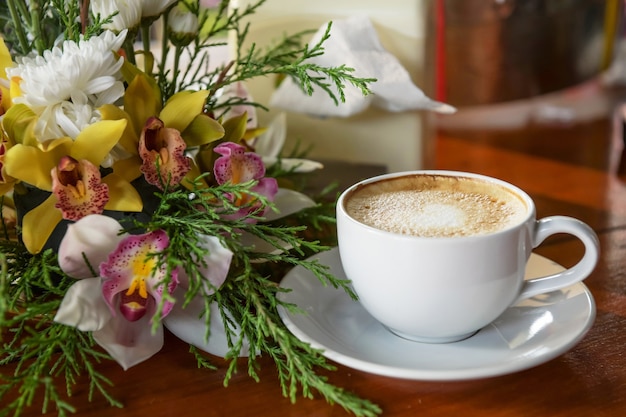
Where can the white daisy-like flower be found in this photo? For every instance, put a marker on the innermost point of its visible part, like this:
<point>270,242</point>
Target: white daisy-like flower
<point>128,17</point>
<point>66,85</point>
<point>154,7</point>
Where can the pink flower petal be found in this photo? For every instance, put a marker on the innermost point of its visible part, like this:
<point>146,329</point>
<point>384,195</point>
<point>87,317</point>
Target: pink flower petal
<point>3,151</point>
<point>78,188</point>
<point>267,187</point>
<point>236,165</point>
<point>131,269</point>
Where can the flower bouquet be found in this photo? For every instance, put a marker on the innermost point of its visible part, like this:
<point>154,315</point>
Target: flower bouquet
<point>138,194</point>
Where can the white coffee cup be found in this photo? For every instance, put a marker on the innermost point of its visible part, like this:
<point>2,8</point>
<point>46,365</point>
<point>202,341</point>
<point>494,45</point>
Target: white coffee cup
<point>434,285</point>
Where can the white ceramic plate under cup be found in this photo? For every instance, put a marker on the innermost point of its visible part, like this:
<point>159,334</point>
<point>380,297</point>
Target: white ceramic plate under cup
<point>530,333</point>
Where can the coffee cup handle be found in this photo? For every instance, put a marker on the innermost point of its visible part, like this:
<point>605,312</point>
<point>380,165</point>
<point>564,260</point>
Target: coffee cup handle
<point>562,224</point>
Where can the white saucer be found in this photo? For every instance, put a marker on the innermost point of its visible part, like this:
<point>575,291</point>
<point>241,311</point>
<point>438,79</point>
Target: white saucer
<point>527,334</point>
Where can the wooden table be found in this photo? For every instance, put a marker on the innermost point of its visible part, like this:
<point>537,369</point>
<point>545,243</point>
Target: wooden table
<point>567,171</point>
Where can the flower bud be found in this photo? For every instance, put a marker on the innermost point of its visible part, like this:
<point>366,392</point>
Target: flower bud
<point>128,16</point>
<point>182,26</point>
<point>153,8</point>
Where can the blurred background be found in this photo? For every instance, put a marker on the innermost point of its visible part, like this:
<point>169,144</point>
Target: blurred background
<point>507,63</point>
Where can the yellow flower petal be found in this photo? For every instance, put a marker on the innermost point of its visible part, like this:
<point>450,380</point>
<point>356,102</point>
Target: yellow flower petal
<point>122,195</point>
<point>14,88</point>
<point>202,130</point>
<point>182,108</point>
<point>96,141</point>
<point>5,103</point>
<point>5,188</point>
<point>130,72</point>
<point>129,140</point>
<point>253,133</point>
<point>141,102</point>
<point>38,224</point>
<point>5,59</point>
<point>129,168</point>
<point>33,165</point>
<point>5,62</point>
<point>19,124</point>
<point>235,128</point>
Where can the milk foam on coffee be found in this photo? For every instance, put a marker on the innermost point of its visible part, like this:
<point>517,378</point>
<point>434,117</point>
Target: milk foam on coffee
<point>436,206</point>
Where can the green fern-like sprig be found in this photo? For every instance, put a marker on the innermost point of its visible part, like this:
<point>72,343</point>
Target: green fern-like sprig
<point>36,351</point>
<point>249,302</point>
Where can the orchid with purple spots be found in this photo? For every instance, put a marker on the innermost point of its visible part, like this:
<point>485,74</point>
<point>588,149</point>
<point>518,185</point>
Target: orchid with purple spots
<point>132,291</point>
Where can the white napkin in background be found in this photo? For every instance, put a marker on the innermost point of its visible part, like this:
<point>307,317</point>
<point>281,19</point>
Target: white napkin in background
<point>354,42</point>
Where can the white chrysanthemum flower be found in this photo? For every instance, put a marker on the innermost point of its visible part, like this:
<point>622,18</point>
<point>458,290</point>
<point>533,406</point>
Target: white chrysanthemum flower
<point>66,85</point>
<point>155,7</point>
<point>128,17</point>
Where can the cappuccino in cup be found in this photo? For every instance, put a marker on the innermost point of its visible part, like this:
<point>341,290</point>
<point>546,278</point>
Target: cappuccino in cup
<point>435,206</point>
<point>435,256</point>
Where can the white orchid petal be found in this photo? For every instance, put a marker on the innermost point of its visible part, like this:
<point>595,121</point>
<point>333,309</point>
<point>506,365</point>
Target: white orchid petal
<point>300,165</point>
<point>271,142</point>
<point>288,202</point>
<point>268,161</point>
<point>260,245</point>
<point>129,343</point>
<point>187,324</point>
<point>95,236</point>
<point>218,260</point>
<point>216,264</point>
<point>83,306</point>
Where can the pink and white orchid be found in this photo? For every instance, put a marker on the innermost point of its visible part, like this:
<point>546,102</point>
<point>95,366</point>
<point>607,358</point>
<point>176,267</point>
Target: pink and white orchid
<point>236,166</point>
<point>133,279</point>
<point>119,306</point>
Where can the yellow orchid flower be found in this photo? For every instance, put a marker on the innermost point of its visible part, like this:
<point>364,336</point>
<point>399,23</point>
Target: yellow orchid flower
<point>182,112</point>
<point>34,165</point>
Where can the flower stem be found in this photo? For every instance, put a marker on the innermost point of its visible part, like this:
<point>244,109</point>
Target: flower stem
<point>145,38</point>
<point>84,15</point>
<point>129,47</point>
<point>35,18</point>
<point>18,26</point>
<point>175,70</point>
<point>164,46</point>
